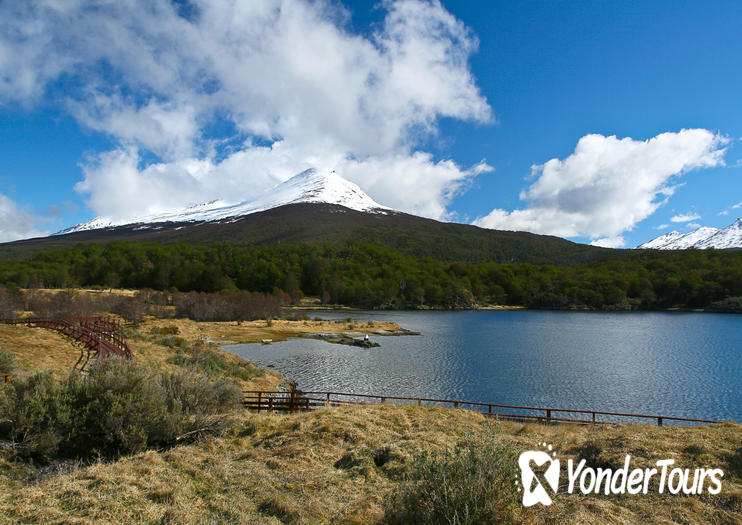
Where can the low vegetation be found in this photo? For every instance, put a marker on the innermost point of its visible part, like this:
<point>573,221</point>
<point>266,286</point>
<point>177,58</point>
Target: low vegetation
<point>469,485</point>
<point>375,277</point>
<point>7,362</point>
<point>117,408</point>
<point>370,465</point>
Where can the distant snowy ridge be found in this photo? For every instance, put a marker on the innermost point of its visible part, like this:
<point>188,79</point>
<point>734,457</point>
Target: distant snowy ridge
<point>308,186</point>
<point>704,237</point>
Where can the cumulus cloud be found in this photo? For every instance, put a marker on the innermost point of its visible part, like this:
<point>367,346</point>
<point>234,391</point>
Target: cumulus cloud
<point>16,223</point>
<point>685,217</point>
<point>693,225</point>
<point>662,227</point>
<point>608,184</point>
<point>233,97</point>
<point>609,242</point>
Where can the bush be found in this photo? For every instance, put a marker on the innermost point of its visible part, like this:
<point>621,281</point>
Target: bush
<point>242,306</point>
<point>470,485</point>
<point>192,393</point>
<point>214,363</point>
<point>7,362</point>
<point>8,303</point>
<point>117,408</point>
<point>33,412</point>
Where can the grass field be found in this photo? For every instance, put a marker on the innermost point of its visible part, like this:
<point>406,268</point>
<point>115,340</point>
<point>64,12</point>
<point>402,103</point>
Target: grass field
<point>324,467</point>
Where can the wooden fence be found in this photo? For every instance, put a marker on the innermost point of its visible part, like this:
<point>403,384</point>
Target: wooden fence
<point>99,336</point>
<point>270,401</point>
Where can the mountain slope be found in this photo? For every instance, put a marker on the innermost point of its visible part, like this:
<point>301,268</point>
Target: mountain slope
<point>315,223</point>
<point>319,207</point>
<point>308,186</point>
<point>703,237</point>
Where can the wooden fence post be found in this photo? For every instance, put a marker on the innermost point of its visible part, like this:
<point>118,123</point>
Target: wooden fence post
<point>260,400</point>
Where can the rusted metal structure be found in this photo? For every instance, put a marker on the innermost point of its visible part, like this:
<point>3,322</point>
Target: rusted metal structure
<point>98,337</point>
<point>269,401</point>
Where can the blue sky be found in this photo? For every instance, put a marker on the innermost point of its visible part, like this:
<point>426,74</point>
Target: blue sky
<point>457,101</point>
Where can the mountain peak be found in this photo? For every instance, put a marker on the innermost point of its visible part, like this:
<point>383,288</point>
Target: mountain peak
<point>309,186</point>
<point>703,237</point>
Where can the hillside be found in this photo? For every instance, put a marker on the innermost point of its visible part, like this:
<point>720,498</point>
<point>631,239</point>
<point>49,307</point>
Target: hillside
<point>314,223</point>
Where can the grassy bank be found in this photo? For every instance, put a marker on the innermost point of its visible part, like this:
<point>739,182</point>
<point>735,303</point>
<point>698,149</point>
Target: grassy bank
<point>167,345</point>
<point>345,466</point>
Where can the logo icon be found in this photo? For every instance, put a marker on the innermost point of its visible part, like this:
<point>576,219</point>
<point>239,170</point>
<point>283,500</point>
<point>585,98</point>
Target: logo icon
<point>536,479</point>
<point>540,470</point>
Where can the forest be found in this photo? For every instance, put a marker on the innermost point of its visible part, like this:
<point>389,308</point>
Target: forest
<point>371,276</point>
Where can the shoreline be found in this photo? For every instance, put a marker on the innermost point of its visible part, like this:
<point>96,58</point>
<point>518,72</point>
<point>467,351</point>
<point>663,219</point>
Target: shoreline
<point>505,308</point>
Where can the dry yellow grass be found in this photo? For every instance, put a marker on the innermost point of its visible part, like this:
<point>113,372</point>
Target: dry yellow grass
<point>36,349</point>
<point>276,329</point>
<point>319,467</point>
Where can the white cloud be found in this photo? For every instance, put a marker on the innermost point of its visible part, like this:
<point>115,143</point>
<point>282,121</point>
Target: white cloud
<point>662,227</point>
<point>608,185</point>
<point>16,223</point>
<point>685,217</point>
<point>239,95</point>
<point>736,206</point>
<point>609,242</point>
<point>724,212</point>
<point>693,225</point>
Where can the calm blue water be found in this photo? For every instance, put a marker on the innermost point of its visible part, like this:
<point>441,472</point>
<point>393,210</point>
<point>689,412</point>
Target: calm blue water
<point>674,364</point>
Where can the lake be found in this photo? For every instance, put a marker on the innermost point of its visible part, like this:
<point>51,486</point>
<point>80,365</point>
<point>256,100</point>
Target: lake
<point>672,364</point>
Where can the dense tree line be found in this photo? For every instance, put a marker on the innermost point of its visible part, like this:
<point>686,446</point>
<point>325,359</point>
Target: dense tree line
<point>376,277</point>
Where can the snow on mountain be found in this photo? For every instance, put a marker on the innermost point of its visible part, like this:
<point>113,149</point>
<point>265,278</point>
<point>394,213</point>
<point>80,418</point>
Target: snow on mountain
<point>308,186</point>
<point>729,237</point>
<point>662,242</point>
<point>703,237</point>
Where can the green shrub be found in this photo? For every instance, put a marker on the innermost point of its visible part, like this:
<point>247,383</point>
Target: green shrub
<point>117,408</point>
<point>472,484</point>
<point>214,363</point>
<point>192,393</point>
<point>7,362</point>
<point>33,414</point>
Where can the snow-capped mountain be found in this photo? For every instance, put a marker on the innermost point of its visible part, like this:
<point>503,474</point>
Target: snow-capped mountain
<point>703,237</point>
<point>729,237</point>
<point>308,186</point>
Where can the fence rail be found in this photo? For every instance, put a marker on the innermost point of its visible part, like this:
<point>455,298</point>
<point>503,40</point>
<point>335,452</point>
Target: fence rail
<point>271,401</point>
<point>99,336</point>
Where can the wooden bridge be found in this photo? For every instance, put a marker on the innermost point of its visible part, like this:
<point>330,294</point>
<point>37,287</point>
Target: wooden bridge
<point>98,337</point>
<point>270,401</point>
